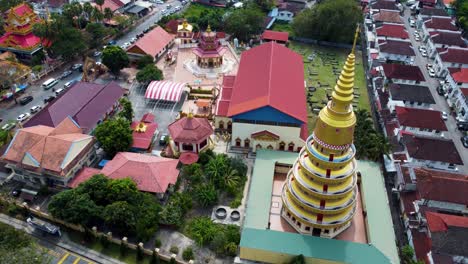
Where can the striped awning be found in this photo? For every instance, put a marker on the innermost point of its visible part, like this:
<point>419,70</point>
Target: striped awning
<point>164,90</point>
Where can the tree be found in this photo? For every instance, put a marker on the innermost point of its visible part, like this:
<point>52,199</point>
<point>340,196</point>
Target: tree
<point>187,254</point>
<point>68,43</point>
<point>145,60</point>
<point>202,230</point>
<point>122,190</point>
<point>461,9</point>
<point>127,110</point>
<point>108,14</point>
<point>244,23</point>
<point>96,187</point>
<point>96,33</point>
<point>239,165</point>
<point>121,216</point>
<point>115,58</point>
<point>99,3</point>
<point>149,73</point>
<point>324,21</point>
<point>192,174</point>
<point>368,142</point>
<point>265,5</point>
<point>7,4</point>
<point>73,207</point>
<point>206,194</point>
<point>5,137</point>
<point>115,135</point>
<point>216,169</point>
<point>231,179</point>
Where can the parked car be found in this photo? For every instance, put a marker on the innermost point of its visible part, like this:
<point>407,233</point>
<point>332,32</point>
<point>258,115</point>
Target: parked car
<point>23,117</point>
<point>432,73</point>
<point>77,66</point>
<point>464,141</point>
<point>25,100</point>
<point>70,83</point>
<point>412,23</point>
<point>97,53</point>
<point>133,40</point>
<point>417,38</point>
<point>35,109</point>
<point>424,53</point>
<point>163,12</point>
<point>49,99</point>
<point>65,74</point>
<point>429,66</point>
<point>59,91</point>
<point>8,126</point>
<point>162,140</point>
<point>159,2</point>
<point>444,116</point>
<point>16,192</point>
<point>177,8</point>
<point>112,42</point>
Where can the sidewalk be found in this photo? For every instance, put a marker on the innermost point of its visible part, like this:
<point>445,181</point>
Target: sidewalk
<point>64,242</point>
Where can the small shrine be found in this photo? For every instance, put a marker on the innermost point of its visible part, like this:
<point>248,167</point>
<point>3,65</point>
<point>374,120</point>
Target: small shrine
<point>185,32</point>
<point>18,37</point>
<point>190,134</point>
<point>209,52</point>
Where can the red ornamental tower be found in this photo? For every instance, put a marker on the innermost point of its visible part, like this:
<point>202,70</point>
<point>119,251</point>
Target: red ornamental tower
<point>209,51</point>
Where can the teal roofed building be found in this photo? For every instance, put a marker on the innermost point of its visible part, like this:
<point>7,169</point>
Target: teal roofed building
<point>267,237</point>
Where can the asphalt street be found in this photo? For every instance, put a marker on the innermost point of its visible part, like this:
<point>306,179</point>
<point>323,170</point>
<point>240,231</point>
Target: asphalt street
<point>441,103</point>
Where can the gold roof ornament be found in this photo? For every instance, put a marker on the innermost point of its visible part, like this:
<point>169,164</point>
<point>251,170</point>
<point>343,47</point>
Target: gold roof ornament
<point>141,128</point>
<point>208,29</point>
<point>185,24</point>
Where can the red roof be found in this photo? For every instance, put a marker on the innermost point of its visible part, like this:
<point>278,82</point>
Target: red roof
<point>442,186</point>
<point>404,72</point>
<point>269,68</point>
<point>440,222</point>
<point>171,26</point>
<point>188,158</point>
<point>82,176</point>
<point>150,173</point>
<point>442,23</point>
<point>142,140</point>
<point>393,31</point>
<point>454,55</point>
<point>152,42</point>
<point>420,118</point>
<point>275,35</point>
<point>224,99</point>
<point>22,9</point>
<point>433,149</point>
<point>190,130</point>
<point>265,132</point>
<point>464,91</point>
<point>112,4</point>
<point>460,75</point>
<point>24,41</point>
<point>447,38</point>
<point>422,244</point>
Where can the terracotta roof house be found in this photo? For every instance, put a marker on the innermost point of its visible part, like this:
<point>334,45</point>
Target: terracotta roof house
<point>394,31</point>
<point>459,75</point>
<point>431,152</point>
<point>393,50</point>
<point>424,120</point>
<point>143,133</point>
<point>455,57</point>
<point>442,186</point>
<point>113,5</point>
<point>190,134</point>
<point>268,116</point>
<point>47,155</point>
<point>384,4</point>
<point>275,36</point>
<point>151,174</point>
<point>433,12</point>
<point>440,23</point>
<point>86,103</point>
<point>447,38</point>
<point>402,73</point>
<point>154,43</point>
<point>388,16</point>
<point>411,94</point>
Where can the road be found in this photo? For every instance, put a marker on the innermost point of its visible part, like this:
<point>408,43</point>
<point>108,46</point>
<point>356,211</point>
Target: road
<point>441,104</point>
<point>9,112</point>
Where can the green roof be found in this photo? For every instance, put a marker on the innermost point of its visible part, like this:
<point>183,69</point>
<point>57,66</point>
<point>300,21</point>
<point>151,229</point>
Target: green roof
<point>255,233</point>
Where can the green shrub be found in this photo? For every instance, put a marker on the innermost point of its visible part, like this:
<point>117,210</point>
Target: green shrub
<point>187,254</point>
<point>236,202</point>
<point>172,261</point>
<point>230,249</point>
<point>37,68</point>
<point>139,253</point>
<point>155,258</point>
<point>123,249</point>
<point>104,241</point>
<point>157,243</point>
<point>174,250</point>
<point>201,91</point>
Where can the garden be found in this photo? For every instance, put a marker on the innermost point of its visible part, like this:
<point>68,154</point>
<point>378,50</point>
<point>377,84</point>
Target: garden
<point>322,67</point>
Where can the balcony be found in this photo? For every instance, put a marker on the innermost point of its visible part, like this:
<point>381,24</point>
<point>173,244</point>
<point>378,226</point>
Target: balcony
<point>335,175</point>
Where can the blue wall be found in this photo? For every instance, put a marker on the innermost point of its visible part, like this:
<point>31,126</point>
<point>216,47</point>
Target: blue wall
<point>267,113</point>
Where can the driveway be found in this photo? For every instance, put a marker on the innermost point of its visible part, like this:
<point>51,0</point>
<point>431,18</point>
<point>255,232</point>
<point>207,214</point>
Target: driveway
<point>441,104</point>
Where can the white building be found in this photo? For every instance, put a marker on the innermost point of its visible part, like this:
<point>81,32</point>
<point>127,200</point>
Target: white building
<point>458,91</point>
<point>450,58</point>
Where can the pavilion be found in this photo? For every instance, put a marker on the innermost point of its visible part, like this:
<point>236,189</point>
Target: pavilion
<point>190,134</point>
<point>143,133</point>
<point>209,52</point>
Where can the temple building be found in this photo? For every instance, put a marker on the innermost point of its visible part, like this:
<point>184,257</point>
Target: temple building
<point>319,195</point>
<point>209,52</point>
<point>190,134</point>
<point>185,32</point>
<point>18,37</point>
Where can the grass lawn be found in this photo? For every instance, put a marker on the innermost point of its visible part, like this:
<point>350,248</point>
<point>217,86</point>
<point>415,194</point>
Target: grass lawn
<point>335,57</point>
<point>195,10</point>
<point>283,27</point>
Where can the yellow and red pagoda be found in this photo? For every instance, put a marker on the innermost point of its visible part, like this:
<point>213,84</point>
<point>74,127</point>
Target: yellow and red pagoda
<point>209,51</point>
<point>19,38</point>
<point>320,194</point>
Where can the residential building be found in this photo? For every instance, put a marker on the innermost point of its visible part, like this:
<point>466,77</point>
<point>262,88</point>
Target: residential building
<point>154,43</point>
<point>268,116</point>
<point>44,155</point>
<point>450,58</point>
<point>458,91</point>
<point>285,13</point>
<point>190,134</point>
<point>88,104</point>
<point>387,16</point>
<point>396,51</point>
<point>442,40</point>
<point>430,152</point>
<point>376,6</point>
<point>420,121</point>
<point>427,13</point>
<point>391,31</point>
<point>143,133</point>
<point>410,96</point>
<point>431,24</point>
<point>275,36</point>
<point>402,74</point>
<point>151,174</point>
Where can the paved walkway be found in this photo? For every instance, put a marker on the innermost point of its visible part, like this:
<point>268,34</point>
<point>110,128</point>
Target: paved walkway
<point>62,242</point>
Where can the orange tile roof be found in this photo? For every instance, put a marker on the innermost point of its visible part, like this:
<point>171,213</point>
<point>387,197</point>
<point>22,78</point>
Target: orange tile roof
<point>440,222</point>
<point>152,42</point>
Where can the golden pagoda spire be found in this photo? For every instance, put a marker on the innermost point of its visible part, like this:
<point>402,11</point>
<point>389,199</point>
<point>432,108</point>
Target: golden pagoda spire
<point>208,29</point>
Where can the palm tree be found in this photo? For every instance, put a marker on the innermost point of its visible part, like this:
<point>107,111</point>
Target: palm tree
<point>231,178</point>
<point>96,15</point>
<point>99,3</point>
<point>108,14</point>
<point>206,194</point>
<point>87,10</point>
<point>216,169</point>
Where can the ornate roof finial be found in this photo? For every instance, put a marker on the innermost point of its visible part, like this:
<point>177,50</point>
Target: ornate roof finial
<point>356,34</point>
<point>185,23</point>
<point>208,29</point>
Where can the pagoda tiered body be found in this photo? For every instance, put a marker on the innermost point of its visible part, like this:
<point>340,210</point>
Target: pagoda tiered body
<point>320,193</point>
<point>19,38</point>
<point>209,51</point>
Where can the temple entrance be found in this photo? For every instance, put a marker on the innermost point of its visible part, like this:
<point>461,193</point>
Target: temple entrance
<point>247,143</point>
<point>316,231</point>
<point>238,142</point>
<point>210,63</point>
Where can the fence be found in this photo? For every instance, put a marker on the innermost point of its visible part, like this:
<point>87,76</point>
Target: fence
<point>95,232</point>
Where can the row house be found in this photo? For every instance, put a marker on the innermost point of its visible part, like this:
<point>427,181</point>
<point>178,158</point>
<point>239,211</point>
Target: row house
<point>415,96</point>
<point>440,40</point>
<point>430,152</point>
<point>387,16</point>
<point>403,74</point>
<point>420,121</point>
<point>383,5</point>
<point>450,58</point>
<point>396,51</point>
<point>391,31</point>
<point>458,91</point>
<point>437,24</point>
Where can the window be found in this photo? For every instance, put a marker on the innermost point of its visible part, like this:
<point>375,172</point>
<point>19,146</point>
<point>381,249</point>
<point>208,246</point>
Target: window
<point>238,142</point>
<point>307,228</point>
<point>187,147</point>
<point>291,146</point>
<point>247,143</point>
<point>326,231</point>
<point>282,145</point>
<point>221,124</point>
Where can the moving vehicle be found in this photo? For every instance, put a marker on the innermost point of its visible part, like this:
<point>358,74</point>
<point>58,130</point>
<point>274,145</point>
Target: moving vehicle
<point>65,74</point>
<point>424,53</point>
<point>25,100</point>
<point>35,109</point>
<point>429,66</point>
<point>44,226</point>
<point>70,83</point>
<point>444,116</point>
<point>8,126</point>
<point>49,83</point>
<point>23,117</point>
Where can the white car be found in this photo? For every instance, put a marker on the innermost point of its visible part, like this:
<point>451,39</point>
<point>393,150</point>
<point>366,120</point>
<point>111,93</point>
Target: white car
<point>417,38</point>
<point>35,109</point>
<point>133,40</point>
<point>444,116</point>
<point>432,73</point>
<point>412,23</point>
<point>177,8</point>
<point>422,48</point>
<point>424,54</point>
<point>23,117</point>
<point>416,33</point>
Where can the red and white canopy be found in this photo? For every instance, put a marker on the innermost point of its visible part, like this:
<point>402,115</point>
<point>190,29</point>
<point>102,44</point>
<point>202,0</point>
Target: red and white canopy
<point>164,90</point>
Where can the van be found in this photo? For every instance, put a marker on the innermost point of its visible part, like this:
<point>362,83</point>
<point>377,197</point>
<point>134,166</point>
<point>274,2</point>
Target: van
<point>59,91</point>
<point>49,83</point>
